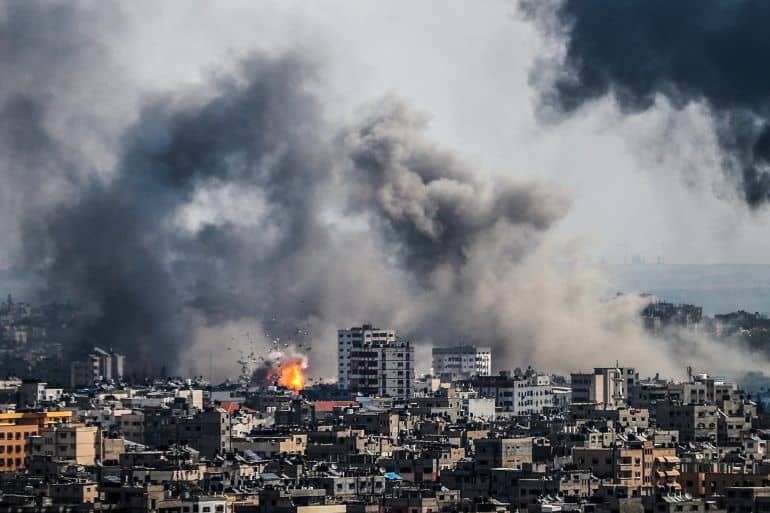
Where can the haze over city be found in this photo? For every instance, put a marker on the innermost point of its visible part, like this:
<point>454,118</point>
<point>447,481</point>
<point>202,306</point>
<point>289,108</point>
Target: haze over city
<point>384,257</point>
<point>201,173</point>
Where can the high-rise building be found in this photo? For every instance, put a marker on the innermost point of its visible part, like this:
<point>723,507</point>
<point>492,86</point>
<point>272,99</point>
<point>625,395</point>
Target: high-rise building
<point>356,337</point>
<point>375,362</point>
<point>462,362</point>
<point>98,365</point>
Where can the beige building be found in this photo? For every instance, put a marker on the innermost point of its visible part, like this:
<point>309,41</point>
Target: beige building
<point>605,386</point>
<point>295,443</point>
<point>636,465</point>
<point>77,492</point>
<point>71,442</point>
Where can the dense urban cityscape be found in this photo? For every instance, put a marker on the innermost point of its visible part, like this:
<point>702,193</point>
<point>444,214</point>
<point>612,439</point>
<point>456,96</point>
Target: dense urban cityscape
<point>355,256</point>
<point>380,438</point>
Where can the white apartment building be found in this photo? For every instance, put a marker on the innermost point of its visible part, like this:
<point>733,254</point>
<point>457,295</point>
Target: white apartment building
<point>346,339</point>
<point>209,504</point>
<point>462,362</point>
<point>374,362</point>
<point>519,395</point>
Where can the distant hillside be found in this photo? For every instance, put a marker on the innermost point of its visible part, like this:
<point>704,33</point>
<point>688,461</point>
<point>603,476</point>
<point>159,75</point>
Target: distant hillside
<point>717,288</point>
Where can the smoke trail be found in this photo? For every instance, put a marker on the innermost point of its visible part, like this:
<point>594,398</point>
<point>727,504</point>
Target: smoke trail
<point>688,52</point>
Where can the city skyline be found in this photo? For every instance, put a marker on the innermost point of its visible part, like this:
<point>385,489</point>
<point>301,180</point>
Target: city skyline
<point>280,256</point>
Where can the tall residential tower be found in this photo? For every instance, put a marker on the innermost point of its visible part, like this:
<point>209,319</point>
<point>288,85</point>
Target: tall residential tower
<point>375,362</point>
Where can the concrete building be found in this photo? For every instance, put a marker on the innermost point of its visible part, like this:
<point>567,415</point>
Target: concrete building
<point>461,362</point>
<point>606,386</point>
<point>375,362</point>
<point>208,432</point>
<point>503,452</point>
<point>634,463</point>
<point>69,442</point>
<point>519,395</point>
<point>97,366</point>
<point>695,422</point>
<point>77,492</point>
<point>13,442</point>
<point>746,499</point>
<point>357,337</point>
<point>205,504</point>
<point>32,393</point>
<point>16,430</point>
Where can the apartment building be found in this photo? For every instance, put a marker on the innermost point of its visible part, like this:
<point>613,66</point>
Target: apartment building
<point>528,394</point>
<point>98,365</point>
<point>357,337</point>
<point>375,362</point>
<point>695,422</point>
<point>606,386</point>
<point>502,452</point>
<point>633,463</point>
<point>461,362</point>
<point>69,442</point>
<point>16,429</point>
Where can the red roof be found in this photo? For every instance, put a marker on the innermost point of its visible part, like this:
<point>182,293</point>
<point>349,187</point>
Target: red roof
<point>330,405</point>
<point>232,406</point>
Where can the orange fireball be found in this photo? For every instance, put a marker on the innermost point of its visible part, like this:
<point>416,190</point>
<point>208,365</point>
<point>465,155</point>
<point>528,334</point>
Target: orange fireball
<point>292,376</point>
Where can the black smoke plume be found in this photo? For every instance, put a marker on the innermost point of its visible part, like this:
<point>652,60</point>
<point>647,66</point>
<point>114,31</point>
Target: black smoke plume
<point>138,248</point>
<point>48,138</point>
<point>120,246</point>
<point>709,51</point>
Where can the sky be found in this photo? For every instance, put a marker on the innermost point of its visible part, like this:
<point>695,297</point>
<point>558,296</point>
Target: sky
<point>207,173</point>
<point>641,184</point>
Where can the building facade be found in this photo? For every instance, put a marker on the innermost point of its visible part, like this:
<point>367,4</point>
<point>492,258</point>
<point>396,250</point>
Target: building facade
<point>97,366</point>
<point>70,442</point>
<point>606,386</point>
<point>520,395</point>
<point>375,362</point>
<point>462,362</point>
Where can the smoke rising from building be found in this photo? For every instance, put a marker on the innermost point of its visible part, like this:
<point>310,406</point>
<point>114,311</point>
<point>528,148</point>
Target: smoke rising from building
<point>237,202</point>
<point>687,52</point>
<point>286,368</point>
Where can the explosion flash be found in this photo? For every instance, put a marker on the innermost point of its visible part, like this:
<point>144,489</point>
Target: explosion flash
<point>286,370</point>
<point>292,376</point>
